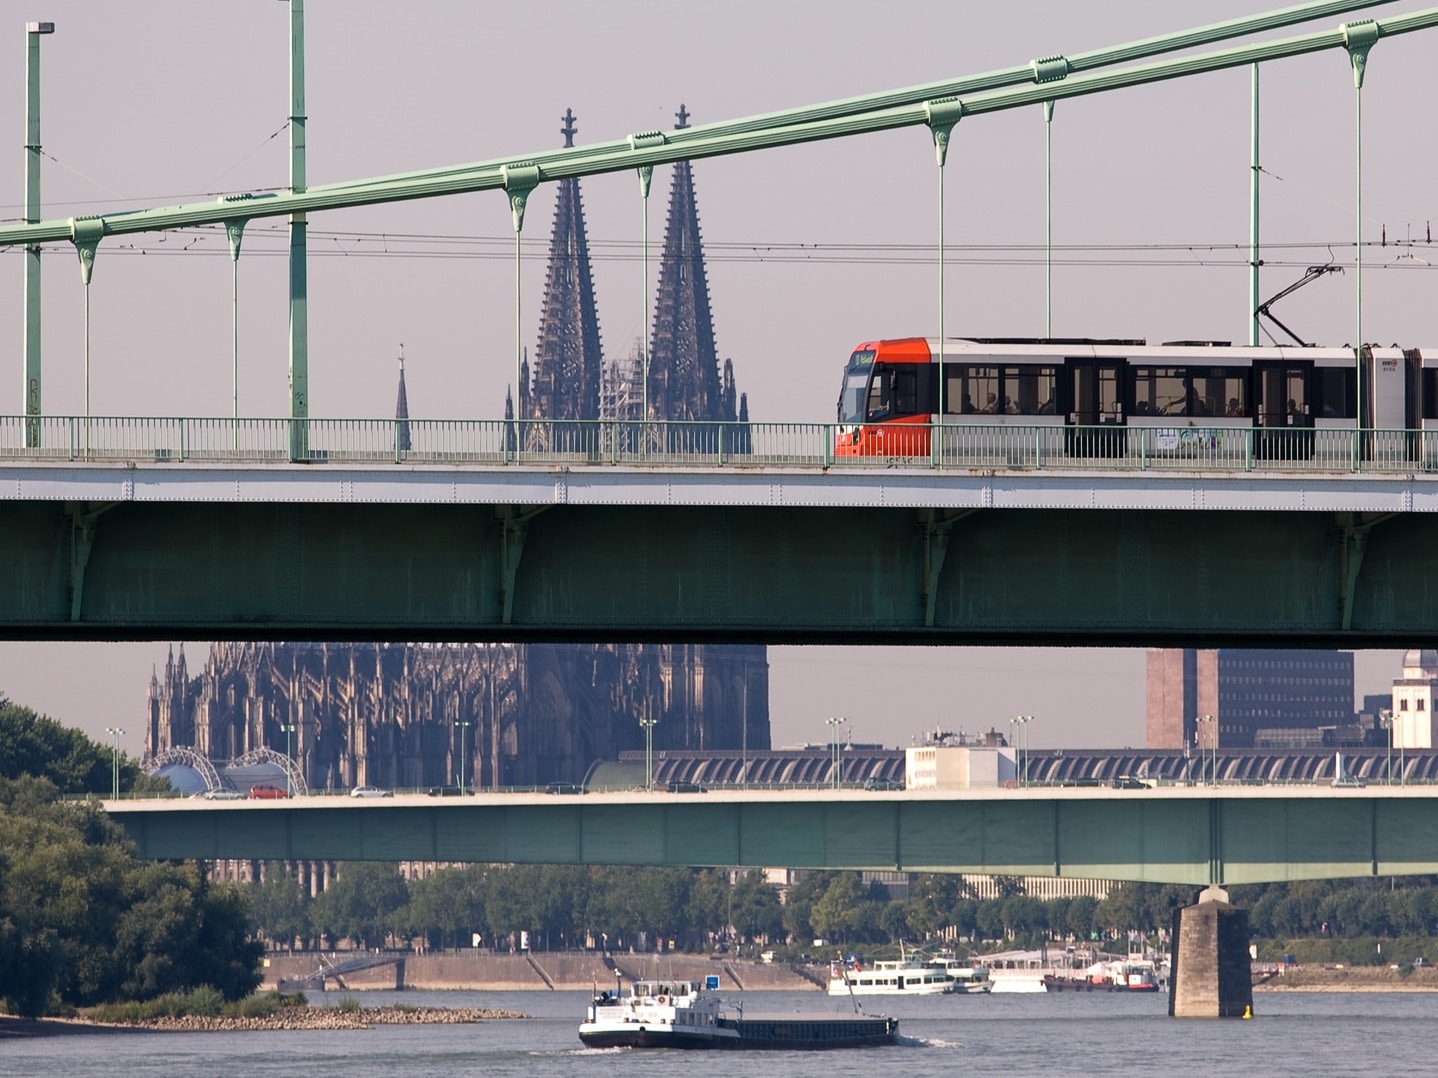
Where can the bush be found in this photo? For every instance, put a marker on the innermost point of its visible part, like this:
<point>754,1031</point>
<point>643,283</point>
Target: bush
<point>349,1005</point>
<point>254,1006</point>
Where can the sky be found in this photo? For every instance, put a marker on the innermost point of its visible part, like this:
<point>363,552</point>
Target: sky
<point>810,249</point>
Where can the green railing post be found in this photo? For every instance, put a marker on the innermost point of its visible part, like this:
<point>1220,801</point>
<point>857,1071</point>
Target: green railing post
<point>1143,449</point>
<point>1038,448</point>
<point>829,432</point>
<point>182,440</point>
<point>74,446</point>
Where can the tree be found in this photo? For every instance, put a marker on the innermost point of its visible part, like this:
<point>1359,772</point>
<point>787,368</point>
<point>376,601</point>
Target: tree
<point>757,911</point>
<point>279,907</point>
<point>362,904</point>
<point>843,911</point>
<point>799,906</point>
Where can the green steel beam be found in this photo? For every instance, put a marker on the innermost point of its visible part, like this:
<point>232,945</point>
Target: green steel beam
<point>846,118</point>
<point>778,574</point>
<point>1177,835</point>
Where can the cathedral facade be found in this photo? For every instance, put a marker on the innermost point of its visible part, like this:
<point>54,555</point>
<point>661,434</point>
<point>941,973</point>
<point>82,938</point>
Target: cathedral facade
<point>419,715</point>
<point>497,715</point>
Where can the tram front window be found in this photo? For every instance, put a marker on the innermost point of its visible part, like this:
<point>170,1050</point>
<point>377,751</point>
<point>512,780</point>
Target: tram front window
<point>855,392</point>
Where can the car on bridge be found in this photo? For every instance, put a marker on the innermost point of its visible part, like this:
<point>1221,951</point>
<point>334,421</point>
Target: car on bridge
<point>371,791</point>
<point>681,786</point>
<point>563,788</point>
<point>264,791</point>
<point>222,794</point>
<point>445,791</point>
<point>884,784</point>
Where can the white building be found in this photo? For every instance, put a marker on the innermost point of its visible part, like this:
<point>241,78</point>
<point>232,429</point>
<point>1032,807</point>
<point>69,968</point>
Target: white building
<point>950,767</point>
<point>1413,696</point>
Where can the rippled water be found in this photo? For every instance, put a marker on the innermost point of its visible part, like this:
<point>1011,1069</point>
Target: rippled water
<point>1315,1033</point>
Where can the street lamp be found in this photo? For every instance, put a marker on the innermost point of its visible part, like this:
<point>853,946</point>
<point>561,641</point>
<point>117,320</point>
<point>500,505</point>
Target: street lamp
<point>835,751</point>
<point>461,724</point>
<point>1021,745</point>
<point>648,722</point>
<point>1385,720</point>
<point>289,728</point>
<point>115,732</point>
<point>1210,722</point>
<point>31,343</point>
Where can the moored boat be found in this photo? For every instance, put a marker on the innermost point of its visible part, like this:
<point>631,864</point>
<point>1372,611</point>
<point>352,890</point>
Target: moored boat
<point>688,1014</point>
<point>909,975</point>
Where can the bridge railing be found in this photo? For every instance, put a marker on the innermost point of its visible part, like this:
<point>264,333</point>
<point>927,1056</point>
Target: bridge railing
<point>999,445</point>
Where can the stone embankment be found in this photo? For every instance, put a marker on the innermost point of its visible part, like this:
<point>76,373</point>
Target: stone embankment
<point>541,971</point>
<point>331,1018</point>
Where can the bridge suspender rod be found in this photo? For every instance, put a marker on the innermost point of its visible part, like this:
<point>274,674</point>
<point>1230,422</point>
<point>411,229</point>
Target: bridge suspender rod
<point>857,116</point>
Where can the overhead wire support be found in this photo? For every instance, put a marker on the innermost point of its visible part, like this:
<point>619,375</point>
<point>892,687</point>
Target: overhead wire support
<point>878,112</point>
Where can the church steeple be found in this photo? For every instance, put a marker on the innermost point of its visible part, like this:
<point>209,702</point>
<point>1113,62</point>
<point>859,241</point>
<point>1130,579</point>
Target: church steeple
<point>401,408</point>
<point>684,381</point>
<point>564,382</point>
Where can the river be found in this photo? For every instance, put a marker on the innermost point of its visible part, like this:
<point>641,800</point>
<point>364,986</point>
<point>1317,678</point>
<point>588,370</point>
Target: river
<point>1317,1034</point>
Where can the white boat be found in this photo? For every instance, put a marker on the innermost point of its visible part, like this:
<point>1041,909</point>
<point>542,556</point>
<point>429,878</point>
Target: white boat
<point>918,975</point>
<point>688,1014</point>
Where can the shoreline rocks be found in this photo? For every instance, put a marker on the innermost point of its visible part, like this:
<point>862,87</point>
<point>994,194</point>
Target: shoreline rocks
<point>291,1018</point>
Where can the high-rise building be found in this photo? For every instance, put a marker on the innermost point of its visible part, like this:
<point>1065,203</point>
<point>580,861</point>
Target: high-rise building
<point>1249,699</point>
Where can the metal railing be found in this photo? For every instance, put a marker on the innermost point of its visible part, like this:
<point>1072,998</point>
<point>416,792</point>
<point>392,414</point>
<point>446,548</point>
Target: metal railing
<point>708,444</point>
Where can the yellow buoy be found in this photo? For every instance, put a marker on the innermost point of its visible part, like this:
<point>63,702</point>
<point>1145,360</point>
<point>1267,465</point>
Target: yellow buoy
<point>1248,1010</point>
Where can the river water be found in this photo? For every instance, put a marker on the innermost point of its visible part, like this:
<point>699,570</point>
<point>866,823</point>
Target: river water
<point>1329,1033</point>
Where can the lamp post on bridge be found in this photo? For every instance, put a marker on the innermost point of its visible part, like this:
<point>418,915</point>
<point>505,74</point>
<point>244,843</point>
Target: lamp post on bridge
<point>1385,720</point>
<point>462,724</point>
<point>289,728</point>
<point>1021,745</point>
<point>1210,723</point>
<point>115,732</point>
<point>836,762</point>
<point>648,722</point>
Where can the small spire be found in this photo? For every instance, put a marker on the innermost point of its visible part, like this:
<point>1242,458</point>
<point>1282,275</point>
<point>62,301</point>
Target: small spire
<point>401,359</point>
<point>683,116</point>
<point>568,130</point>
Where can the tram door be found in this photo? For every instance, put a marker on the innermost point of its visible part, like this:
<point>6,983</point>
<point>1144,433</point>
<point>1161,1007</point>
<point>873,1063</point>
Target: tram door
<point>1096,418</point>
<point>1283,409</point>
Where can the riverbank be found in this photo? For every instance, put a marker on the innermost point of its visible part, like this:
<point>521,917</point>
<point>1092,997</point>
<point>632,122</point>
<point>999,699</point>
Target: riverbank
<point>545,971</point>
<point>288,1018</point>
<point>1351,979</point>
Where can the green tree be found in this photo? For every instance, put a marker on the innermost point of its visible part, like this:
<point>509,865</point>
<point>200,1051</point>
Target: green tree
<point>799,906</point>
<point>362,904</point>
<point>279,907</point>
<point>757,911</point>
<point>842,912</point>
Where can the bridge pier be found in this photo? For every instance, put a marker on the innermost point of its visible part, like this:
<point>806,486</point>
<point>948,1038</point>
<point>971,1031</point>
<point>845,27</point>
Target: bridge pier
<point>1209,965</point>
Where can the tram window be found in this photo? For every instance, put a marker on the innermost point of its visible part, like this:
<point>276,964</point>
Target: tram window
<point>1222,391</point>
<point>1430,393</point>
<point>1332,392</point>
<point>980,390</point>
<point>893,393</point>
<point>1160,391</point>
<point>1029,390</point>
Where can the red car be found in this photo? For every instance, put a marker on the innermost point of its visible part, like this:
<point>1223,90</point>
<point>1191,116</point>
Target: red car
<point>265,790</point>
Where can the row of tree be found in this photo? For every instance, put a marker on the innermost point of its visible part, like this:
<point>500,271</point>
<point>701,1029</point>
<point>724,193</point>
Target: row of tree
<point>563,906</point>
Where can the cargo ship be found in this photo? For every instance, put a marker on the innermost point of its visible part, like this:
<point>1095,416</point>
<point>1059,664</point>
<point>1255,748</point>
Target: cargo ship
<point>691,1014</point>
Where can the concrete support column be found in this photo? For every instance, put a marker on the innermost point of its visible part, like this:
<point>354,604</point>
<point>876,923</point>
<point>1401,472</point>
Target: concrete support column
<point>1209,975</point>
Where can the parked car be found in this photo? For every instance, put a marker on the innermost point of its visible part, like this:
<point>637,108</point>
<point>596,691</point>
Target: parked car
<point>265,791</point>
<point>371,791</point>
<point>221,795</point>
<point>563,788</point>
<point>680,786</point>
<point>884,784</point>
<point>445,791</point>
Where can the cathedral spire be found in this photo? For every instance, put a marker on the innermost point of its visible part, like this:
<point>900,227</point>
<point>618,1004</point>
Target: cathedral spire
<point>401,408</point>
<point>564,381</point>
<point>684,378</point>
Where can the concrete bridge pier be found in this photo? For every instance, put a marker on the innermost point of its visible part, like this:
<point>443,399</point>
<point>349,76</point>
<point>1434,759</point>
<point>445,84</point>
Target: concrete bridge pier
<point>1209,967</point>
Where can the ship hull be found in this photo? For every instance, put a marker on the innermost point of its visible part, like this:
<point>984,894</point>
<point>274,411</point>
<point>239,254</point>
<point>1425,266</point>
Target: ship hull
<point>763,1034</point>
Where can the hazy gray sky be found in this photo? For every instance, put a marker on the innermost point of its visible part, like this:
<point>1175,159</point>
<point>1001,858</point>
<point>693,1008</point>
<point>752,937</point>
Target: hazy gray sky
<point>149,103</point>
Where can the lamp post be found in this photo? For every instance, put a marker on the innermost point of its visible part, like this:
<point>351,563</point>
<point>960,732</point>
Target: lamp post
<point>1385,720</point>
<point>31,343</point>
<point>1021,745</point>
<point>835,754</point>
<point>115,732</point>
<point>1210,723</point>
<point>648,722</point>
<point>461,724</point>
<point>289,728</point>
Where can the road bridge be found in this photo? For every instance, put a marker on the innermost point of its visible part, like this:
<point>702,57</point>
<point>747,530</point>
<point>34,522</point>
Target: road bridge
<point>1063,553</point>
<point>1183,835</point>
